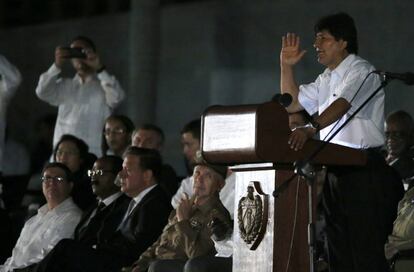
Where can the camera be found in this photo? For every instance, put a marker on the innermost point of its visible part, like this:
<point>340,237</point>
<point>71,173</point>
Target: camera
<point>75,52</point>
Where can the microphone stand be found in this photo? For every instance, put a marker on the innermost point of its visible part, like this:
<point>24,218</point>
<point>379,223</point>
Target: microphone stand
<point>307,171</point>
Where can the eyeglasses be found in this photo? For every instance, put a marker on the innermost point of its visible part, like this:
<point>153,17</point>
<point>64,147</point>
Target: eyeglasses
<point>108,132</point>
<point>54,179</point>
<point>97,172</point>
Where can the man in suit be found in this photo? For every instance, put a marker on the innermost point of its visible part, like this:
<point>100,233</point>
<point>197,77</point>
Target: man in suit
<point>102,219</point>
<point>98,222</point>
<point>152,137</point>
<point>139,226</point>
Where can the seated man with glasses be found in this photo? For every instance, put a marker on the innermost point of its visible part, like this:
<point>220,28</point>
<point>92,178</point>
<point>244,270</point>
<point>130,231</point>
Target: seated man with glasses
<point>98,223</point>
<point>139,225</point>
<point>54,221</point>
<point>399,132</point>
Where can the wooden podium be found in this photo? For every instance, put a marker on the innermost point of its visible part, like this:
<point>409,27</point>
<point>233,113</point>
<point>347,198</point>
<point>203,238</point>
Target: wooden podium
<point>270,234</point>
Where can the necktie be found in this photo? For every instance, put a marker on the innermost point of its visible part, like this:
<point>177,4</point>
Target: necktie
<point>100,207</point>
<point>129,210</point>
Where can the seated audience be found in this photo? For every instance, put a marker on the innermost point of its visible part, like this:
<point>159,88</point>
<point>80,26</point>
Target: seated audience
<point>188,232</point>
<point>97,224</point>
<point>152,137</point>
<point>399,131</point>
<point>104,216</point>
<point>117,135</point>
<point>401,241</point>
<point>140,225</point>
<point>73,152</point>
<point>55,220</point>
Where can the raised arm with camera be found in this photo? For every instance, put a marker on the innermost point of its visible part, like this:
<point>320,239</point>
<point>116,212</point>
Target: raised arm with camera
<point>85,100</point>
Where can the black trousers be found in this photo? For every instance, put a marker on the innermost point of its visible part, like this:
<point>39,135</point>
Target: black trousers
<point>72,256</point>
<point>209,264</point>
<point>360,205</point>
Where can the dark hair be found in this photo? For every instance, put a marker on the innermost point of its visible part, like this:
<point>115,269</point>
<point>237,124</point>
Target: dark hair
<point>341,26</point>
<point>114,161</point>
<point>154,128</point>
<point>68,173</point>
<point>86,40</point>
<point>128,124</point>
<point>403,118</point>
<point>150,159</point>
<point>80,145</point>
<point>193,127</point>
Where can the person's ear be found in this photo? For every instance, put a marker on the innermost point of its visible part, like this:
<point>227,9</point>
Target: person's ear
<point>148,176</point>
<point>344,44</point>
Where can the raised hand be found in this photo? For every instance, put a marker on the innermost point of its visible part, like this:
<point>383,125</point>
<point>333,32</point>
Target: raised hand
<point>61,55</point>
<point>290,54</point>
<point>92,59</point>
<point>184,208</point>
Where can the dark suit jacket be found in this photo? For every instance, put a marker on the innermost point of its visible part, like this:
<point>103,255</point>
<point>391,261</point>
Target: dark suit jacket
<point>141,229</point>
<point>116,247</point>
<point>103,224</point>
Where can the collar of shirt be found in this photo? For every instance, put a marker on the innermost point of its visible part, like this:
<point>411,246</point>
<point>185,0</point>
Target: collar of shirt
<point>342,68</point>
<point>107,201</point>
<point>141,195</point>
<point>89,78</point>
<point>209,205</point>
<point>59,209</point>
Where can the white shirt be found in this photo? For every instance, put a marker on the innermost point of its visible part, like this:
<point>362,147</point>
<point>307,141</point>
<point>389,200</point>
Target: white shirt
<point>9,81</point>
<point>42,232</point>
<point>83,106</point>
<point>367,127</point>
<point>224,248</point>
<point>186,186</point>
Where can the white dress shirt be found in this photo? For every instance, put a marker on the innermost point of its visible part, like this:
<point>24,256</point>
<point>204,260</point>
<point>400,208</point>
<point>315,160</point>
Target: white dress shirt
<point>10,79</point>
<point>42,232</point>
<point>83,106</point>
<point>367,127</point>
<point>186,186</point>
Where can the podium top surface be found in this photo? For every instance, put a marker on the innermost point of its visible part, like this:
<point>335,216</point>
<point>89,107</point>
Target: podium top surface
<point>259,133</point>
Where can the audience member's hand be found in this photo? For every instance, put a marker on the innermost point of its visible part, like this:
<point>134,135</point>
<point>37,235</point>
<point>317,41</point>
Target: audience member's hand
<point>61,56</point>
<point>184,208</point>
<point>92,59</point>
<point>220,229</point>
<point>290,54</point>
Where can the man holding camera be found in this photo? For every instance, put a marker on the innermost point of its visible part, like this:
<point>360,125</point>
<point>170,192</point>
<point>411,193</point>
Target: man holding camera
<point>84,101</point>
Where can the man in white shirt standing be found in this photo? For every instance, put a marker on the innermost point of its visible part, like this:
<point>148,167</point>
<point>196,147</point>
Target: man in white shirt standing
<point>84,101</point>
<point>10,79</point>
<point>360,202</point>
<point>55,220</point>
<point>190,140</point>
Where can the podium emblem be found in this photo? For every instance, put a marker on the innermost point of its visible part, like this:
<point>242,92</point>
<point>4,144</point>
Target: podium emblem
<point>252,215</point>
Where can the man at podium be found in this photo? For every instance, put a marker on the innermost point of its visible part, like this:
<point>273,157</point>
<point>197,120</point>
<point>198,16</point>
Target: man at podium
<point>359,202</point>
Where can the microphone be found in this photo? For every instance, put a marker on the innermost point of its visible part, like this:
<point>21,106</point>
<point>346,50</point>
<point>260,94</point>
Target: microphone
<point>283,99</point>
<point>407,78</point>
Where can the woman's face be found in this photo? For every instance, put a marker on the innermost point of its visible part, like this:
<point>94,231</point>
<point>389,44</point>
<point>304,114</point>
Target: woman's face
<point>68,154</point>
<point>116,136</point>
